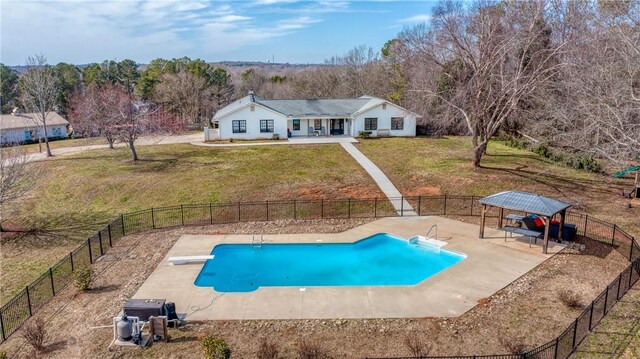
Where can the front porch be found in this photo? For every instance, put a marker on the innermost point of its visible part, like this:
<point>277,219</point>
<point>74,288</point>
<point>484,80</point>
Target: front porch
<point>320,127</point>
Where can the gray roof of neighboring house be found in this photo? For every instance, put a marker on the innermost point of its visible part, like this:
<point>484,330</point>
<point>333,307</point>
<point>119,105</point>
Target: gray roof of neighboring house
<point>320,108</point>
<point>30,120</point>
<point>525,202</point>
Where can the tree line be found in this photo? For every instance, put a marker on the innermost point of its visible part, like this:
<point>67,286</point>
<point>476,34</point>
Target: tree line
<point>565,74</point>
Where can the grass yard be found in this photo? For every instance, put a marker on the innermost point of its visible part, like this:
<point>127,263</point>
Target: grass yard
<point>432,166</point>
<point>80,193</point>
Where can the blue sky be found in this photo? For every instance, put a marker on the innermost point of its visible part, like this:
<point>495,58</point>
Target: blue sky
<point>292,31</point>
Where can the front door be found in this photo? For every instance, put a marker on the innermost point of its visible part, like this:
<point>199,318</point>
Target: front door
<point>337,126</point>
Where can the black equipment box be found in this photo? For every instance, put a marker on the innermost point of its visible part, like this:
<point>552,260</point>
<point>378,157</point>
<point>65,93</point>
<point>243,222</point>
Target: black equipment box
<point>144,308</point>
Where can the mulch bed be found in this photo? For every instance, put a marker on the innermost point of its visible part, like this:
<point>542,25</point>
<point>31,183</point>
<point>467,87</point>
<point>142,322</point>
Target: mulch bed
<point>528,312</point>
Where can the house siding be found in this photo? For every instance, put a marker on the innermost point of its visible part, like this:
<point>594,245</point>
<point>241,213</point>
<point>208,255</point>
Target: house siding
<point>384,120</point>
<point>20,135</point>
<point>253,124</point>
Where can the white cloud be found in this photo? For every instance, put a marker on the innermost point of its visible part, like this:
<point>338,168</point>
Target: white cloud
<point>82,32</point>
<point>416,19</point>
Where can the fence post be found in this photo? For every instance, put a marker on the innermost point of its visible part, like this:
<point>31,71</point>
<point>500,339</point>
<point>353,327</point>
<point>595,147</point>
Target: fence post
<point>100,241</point>
<point>591,314</point>
<point>295,210</point>
<point>586,220</point>
<point>210,213</point>
<point>445,205</point>
<point>555,353</point>
<point>471,207</point>
<point>90,254</point>
<point>71,258</point>
<point>375,207</point>
<point>606,297</point>
<point>619,285</point>
<point>153,219</point>
<point>109,233</point>
<point>322,208</point>
<point>182,213</point>
<point>613,236</point>
<point>419,203</point>
<point>122,221</point>
<point>29,301</point>
<point>575,331</point>
<point>267,210</point>
<point>349,208</point>
<point>239,211</point>
<point>631,252</point>
<point>53,288</point>
<point>4,337</point>
<point>401,206</point>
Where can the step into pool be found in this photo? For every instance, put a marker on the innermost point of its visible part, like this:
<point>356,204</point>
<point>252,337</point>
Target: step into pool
<point>379,260</point>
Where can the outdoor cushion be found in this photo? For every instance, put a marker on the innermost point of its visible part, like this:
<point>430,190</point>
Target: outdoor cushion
<point>538,221</point>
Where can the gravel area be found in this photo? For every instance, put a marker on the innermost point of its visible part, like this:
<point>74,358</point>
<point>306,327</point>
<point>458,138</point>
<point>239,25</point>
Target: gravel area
<point>528,311</point>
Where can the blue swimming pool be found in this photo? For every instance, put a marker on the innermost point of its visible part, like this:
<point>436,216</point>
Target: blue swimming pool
<point>381,259</point>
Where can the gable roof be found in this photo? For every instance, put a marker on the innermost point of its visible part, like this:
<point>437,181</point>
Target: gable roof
<point>307,108</point>
<point>30,120</point>
<point>525,202</point>
<point>319,108</point>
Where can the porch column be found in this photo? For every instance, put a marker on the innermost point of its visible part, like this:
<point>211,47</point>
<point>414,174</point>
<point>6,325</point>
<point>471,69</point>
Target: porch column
<point>547,221</point>
<point>482,219</point>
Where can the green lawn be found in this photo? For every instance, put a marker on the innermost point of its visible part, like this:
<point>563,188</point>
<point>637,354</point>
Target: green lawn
<point>423,166</point>
<point>80,193</point>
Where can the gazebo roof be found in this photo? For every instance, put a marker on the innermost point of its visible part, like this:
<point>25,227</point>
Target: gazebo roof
<point>525,202</point>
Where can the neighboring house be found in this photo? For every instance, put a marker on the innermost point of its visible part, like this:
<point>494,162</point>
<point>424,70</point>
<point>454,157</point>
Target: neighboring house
<point>27,127</point>
<point>253,118</point>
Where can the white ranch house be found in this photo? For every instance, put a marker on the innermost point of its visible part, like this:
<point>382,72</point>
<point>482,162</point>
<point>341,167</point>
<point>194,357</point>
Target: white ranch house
<point>251,118</point>
<point>27,127</point>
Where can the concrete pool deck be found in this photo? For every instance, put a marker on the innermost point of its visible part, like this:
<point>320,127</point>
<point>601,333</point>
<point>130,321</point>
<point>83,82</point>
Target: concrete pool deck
<point>491,264</point>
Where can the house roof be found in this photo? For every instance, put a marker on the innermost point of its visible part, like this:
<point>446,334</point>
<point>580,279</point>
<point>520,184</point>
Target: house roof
<point>29,120</point>
<point>525,202</point>
<point>307,108</point>
<point>320,108</point>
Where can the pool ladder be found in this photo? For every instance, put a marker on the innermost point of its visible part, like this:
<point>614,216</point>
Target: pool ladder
<point>429,231</point>
<point>257,241</point>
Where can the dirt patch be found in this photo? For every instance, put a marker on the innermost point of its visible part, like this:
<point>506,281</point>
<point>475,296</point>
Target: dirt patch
<point>423,191</point>
<point>359,192</point>
<point>529,309</point>
<point>315,192</point>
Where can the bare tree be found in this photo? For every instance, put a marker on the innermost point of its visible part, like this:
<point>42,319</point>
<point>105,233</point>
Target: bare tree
<point>185,94</point>
<point>17,179</point>
<point>39,93</point>
<point>491,60</point>
<point>91,113</point>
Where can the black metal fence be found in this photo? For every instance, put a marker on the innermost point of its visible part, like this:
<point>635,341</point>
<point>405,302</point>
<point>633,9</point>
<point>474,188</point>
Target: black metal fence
<point>20,308</point>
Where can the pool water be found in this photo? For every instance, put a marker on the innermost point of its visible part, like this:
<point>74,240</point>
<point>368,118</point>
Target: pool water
<point>379,260</point>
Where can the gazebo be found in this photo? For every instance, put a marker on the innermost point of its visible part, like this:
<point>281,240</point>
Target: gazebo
<point>526,202</point>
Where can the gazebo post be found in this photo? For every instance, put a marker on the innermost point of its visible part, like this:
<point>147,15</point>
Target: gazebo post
<point>563,214</point>
<point>482,220</point>
<point>500,216</point>
<point>547,221</point>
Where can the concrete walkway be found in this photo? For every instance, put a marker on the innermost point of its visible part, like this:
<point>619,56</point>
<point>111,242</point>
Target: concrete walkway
<point>290,141</point>
<point>395,197</point>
